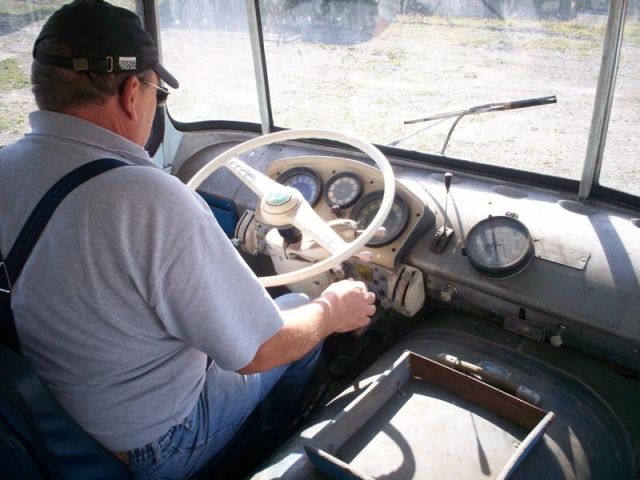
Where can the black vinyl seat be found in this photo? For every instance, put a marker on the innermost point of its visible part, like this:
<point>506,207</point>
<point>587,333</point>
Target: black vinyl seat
<point>38,438</point>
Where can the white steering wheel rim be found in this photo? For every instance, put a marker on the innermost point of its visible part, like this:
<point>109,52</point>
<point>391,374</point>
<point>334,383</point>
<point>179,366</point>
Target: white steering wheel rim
<point>353,247</point>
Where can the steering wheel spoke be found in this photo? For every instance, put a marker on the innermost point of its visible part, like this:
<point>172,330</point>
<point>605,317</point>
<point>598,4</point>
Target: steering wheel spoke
<point>257,181</point>
<point>310,224</point>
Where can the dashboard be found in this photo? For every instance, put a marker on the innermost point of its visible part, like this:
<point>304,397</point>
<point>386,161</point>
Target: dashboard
<point>534,259</point>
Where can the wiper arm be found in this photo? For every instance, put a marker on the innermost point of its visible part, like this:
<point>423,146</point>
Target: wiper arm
<point>486,108</point>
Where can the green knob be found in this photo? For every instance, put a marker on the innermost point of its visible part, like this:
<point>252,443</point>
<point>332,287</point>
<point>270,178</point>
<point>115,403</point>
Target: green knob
<point>278,197</point>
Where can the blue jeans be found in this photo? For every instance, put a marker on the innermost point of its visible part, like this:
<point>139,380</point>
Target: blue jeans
<point>225,403</point>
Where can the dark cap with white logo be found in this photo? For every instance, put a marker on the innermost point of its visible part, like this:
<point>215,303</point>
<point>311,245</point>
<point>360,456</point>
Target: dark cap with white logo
<point>103,39</point>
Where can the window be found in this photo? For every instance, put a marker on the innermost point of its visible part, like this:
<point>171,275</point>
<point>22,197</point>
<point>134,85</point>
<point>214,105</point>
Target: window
<point>621,160</point>
<point>366,66</point>
<point>206,45</point>
<point>20,23</point>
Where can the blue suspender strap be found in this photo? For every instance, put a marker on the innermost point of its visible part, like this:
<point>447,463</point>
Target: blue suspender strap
<point>11,267</point>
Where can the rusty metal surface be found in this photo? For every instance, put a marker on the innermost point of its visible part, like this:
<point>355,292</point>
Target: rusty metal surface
<point>394,412</point>
<point>477,392</point>
<point>425,432</point>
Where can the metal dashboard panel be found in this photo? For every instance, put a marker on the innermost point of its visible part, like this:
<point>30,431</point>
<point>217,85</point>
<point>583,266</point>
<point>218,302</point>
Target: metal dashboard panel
<point>597,284</point>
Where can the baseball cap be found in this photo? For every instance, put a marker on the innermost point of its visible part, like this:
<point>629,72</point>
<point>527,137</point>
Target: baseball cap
<point>103,38</point>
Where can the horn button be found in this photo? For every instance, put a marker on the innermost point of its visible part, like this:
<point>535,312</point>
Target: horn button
<point>280,201</point>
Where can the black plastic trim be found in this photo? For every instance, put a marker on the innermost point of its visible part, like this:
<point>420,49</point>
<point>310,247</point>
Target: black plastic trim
<point>608,194</point>
<point>156,135</point>
<point>209,125</point>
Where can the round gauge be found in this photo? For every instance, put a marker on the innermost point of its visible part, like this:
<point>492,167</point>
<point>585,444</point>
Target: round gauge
<point>305,181</point>
<point>396,222</point>
<point>343,190</point>
<point>499,246</point>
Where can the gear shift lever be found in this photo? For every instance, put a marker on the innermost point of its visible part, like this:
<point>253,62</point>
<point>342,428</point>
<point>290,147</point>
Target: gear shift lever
<point>444,233</point>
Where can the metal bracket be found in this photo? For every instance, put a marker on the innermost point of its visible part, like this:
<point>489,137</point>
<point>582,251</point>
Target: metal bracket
<point>561,254</point>
<point>441,238</point>
<point>524,328</point>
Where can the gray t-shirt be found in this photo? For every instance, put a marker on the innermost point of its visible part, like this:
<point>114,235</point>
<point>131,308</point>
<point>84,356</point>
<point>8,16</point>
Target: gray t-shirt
<point>130,286</point>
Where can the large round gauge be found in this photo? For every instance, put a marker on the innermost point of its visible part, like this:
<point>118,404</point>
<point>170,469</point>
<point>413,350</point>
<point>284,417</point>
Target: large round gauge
<point>499,246</point>
<point>305,181</point>
<point>343,190</point>
<point>395,224</point>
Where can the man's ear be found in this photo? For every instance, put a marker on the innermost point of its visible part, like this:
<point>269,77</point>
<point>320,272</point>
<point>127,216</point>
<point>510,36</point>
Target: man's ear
<point>129,97</point>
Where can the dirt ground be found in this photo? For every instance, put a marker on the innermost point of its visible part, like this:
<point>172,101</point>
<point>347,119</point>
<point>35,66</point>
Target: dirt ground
<point>416,66</point>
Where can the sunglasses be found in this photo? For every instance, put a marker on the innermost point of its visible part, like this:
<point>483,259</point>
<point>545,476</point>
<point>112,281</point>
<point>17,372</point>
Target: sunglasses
<point>161,92</point>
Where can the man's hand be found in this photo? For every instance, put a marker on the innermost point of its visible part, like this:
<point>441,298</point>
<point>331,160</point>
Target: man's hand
<point>349,305</point>
<point>344,306</point>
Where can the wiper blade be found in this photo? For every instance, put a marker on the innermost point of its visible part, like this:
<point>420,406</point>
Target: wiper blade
<point>486,108</point>
<point>489,107</point>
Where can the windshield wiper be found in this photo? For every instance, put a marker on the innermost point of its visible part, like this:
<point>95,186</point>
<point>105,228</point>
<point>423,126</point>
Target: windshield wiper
<point>486,108</point>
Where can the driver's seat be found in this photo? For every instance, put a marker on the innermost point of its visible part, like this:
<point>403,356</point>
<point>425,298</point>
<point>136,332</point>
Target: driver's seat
<point>38,438</point>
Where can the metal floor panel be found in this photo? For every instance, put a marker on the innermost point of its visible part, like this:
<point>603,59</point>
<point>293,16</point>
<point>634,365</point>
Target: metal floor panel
<point>427,434</point>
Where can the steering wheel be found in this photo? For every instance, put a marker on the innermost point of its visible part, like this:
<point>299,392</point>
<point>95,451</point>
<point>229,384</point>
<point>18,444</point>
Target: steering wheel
<point>282,206</point>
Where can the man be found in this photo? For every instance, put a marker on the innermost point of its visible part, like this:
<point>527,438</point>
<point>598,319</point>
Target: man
<point>132,283</point>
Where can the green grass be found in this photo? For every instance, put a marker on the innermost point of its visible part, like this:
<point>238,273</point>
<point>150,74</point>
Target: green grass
<point>559,36</point>
<point>15,126</point>
<point>632,32</point>
<point>22,7</point>
<point>10,123</point>
<point>12,76</point>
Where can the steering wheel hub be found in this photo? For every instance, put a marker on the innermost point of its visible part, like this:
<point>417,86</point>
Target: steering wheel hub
<point>277,198</point>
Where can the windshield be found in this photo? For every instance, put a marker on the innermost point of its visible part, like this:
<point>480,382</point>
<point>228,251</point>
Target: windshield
<point>366,67</point>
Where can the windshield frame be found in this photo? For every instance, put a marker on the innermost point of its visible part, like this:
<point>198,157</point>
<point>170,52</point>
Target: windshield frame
<point>612,46</point>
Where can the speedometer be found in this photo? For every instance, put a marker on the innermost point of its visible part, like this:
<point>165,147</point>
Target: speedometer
<point>395,224</point>
<point>305,181</point>
<point>343,190</point>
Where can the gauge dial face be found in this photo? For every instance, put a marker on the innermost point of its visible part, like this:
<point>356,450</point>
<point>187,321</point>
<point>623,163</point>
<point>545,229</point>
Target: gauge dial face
<point>395,224</point>
<point>305,181</point>
<point>499,246</point>
<point>343,190</point>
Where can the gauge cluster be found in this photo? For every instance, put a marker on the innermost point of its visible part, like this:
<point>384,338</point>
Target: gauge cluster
<point>340,188</point>
<point>344,190</point>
